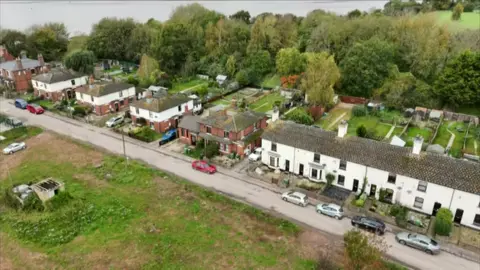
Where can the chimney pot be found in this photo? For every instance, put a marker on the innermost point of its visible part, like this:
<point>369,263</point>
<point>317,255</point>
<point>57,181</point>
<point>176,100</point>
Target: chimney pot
<point>342,128</point>
<point>19,63</point>
<point>40,59</point>
<point>275,114</point>
<point>417,144</point>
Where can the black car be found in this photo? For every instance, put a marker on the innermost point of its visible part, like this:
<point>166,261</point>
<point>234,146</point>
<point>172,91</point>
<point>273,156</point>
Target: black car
<point>370,224</point>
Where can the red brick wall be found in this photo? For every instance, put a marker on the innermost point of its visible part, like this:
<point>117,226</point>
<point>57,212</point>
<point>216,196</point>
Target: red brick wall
<point>54,96</point>
<point>353,100</point>
<point>22,80</point>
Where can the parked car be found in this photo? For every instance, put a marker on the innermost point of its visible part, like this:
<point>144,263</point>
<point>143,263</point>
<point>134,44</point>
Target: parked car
<point>13,122</point>
<point>418,241</point>
<point>21,103</point>
<point>295,197</point>
<point>168,136</point>
<point>114,121</point>
<point>370,224</point>
<point>203,166</point>
<point>35,108</point>
<point>331,210</point>
<point>14,147</point>
<point>256,155</point>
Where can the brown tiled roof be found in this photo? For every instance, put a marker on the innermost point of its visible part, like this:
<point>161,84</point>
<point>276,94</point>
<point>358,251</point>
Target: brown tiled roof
<point>438,169</point>
<point>236,122</point>
<point>103,89</point>
<point>161,104</point>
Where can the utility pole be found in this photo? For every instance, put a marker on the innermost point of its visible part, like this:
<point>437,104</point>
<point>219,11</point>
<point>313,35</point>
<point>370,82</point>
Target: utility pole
<point>124,150</point>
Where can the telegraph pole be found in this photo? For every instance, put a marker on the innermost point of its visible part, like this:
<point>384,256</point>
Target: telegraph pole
<point>124,150</point>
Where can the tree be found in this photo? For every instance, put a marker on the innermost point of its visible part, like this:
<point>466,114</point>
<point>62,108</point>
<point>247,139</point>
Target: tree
<point>81,61</point>
<point>354,14</point>
<point>77,43</point>
<point>366,66</point>
<point>363,253</point>
<point>14,41</point>
<point>243,77</point>
<point>457,12</point>
<point>142,37</point>
<point>300,116</point>
<point>111,38</point>
<point>260,64</point>
<point>202,91</point>
<point>231,66</point>
<point>321,75</point>
<point>459,83</point>
<point>50,39</point>
<point>272,33</point>
<point>149,71</point>
<point>443,222</point>
<point>241,15</point>
<point>290,61</point>
<point>361,131</point>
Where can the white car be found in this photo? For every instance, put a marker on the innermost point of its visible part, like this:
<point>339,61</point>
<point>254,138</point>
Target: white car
<point>14,147</point>
<point>331,210</point>
<point>295,197</point>
<point>114,121</point>
<point>256,155</point>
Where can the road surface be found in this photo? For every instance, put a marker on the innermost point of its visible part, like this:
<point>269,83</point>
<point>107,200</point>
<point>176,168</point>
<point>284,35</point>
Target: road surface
<point>233,186</point>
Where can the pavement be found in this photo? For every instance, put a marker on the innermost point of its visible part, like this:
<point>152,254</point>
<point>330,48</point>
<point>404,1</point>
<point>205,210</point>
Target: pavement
<point>229,182</point>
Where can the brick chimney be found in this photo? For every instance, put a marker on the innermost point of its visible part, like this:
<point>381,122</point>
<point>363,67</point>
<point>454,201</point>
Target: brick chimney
<point>19,63</point>
<point>40,59</point>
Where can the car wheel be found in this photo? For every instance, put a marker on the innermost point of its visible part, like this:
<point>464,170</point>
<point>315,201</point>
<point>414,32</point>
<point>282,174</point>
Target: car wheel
<point>428,251</point>
<point>24,147</point>
<point>402,242</point>
<point>11,152</point>
<point>337,217</point>
<point>318,211</point>
<point>356,225</point>
<point>285,199</point>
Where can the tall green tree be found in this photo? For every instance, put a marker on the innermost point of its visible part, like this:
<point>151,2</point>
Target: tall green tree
<point>81,61</point>
<point>321,75</point>
<point>231,66</point>
<point>457,12</point>
<point>141,41</point>
<point>241,15</point>
<point>147,70</point>
<point>366,66</point>
<point>50,39</point>
<point>459,83</point>
<point>290,61</point>
<point>14,41</point>
<point>259,63</point>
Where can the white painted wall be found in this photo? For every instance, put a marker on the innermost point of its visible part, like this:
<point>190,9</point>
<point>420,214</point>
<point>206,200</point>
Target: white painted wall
<point>162,116</point>
<point>59,86</point>
<point>127,93</point>
<point>405,188</point>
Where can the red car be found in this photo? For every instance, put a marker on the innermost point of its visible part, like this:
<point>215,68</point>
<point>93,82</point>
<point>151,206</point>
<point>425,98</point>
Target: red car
<point>203,166</point>
<point>35,108</point>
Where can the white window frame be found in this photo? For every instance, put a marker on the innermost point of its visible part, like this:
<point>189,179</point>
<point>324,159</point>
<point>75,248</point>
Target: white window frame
<point>423,185</point>
<point>417,203</point>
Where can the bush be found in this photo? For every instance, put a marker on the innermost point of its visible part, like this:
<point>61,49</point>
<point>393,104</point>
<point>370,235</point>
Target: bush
<point>33,203</point>
<point>10,199</point>
<point>469,7</point>
<point>362,131</point>
<point>141,121</point>
<point>300,116</point>
<point>58,201</point>
<point>359,203</point>
<point>144,134</point>
<point>443,222</point>
<point>330,178</point>
<point>80,110</point>
<point>359,110</point>
<point>212,149</point>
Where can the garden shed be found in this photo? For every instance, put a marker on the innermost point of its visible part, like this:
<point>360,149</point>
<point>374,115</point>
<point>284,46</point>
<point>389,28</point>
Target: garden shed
<point>47,188</point>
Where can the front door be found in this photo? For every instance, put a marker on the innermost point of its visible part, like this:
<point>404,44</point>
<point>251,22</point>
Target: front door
<point>355,185</point>
<point>194,139</point>
<point>287,165</point>
<point>116,106</point>
<point>436,206</point>
<point>458,216</point>
<point>300,170</point>
<point>373,190</point>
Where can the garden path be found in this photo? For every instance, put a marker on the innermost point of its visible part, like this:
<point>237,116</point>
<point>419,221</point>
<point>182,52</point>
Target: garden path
<point>452,138</point>
<point>390,132</point>
<point>336,120</point>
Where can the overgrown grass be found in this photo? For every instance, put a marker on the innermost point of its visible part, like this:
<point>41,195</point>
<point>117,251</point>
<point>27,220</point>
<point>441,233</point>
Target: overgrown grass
<point>469,20</point>
<point>180,86</point>
<point>443,136</point>
<point>271,81</point>
<point>412,132</point>
<point>332,115</point>
<point>20,134</point>
<point>470,110</point>
<point>266,103</point>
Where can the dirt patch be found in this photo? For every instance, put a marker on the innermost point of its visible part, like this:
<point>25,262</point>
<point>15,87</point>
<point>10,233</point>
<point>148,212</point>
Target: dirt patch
<point>13,256</point>
<point>314,244</point>
<point>117,255</point>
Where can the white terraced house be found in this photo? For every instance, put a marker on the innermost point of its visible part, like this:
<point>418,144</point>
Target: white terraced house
<point>418,180</point>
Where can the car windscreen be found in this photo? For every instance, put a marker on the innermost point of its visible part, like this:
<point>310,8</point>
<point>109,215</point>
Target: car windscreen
<point>433,242</point>
<point>341,209</point>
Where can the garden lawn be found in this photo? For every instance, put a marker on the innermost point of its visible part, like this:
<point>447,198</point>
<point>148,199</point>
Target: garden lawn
<point>266,103</point>
<point>469,20</point>
<point>443,136</point>
<point>19,134</point>
<point>134,217</point>
<point>472,141</point>
<point>372,123</point>
<point>177,87</point>
<point>332,115</point>
<point>412,132</point>
<point>271,81</point>
<point>46,104</point>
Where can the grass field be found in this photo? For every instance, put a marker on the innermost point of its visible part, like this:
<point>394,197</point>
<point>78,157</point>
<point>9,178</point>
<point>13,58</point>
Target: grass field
<point>271,81</point>
<point>139,218</point>
<point>412,132</point>
<point>443,136</point>
<point>19,134</point>
<point>266,103</point>
<point>469,20</point>
<point>177,87</point>
<point>332,115</point>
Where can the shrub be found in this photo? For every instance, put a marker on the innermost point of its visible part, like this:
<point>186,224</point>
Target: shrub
<point>330,178</point>
<point>360,203</point>
<point>212,150</point>
<point>145,134</point>
<point>141,121</point>
<point>58,201</point>
<point>10,199</point>
<point>359,110</point>
<point>443,222</point>
<point>79,111</point>
<point>33,203</point>
<point>362,131</point>
<point>469,7</point>
<point>300,116</point>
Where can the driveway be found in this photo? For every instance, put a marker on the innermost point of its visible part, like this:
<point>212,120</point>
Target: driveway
<point>231,183</point>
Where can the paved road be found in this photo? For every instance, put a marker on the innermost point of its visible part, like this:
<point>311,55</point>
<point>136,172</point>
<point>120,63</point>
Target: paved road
<point>235,187</point>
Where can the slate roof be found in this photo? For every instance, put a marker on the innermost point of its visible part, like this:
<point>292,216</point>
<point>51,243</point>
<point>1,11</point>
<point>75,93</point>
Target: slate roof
<point>438,169</point>
<point>190,122</point>
<point>236,122</point>
<point>103,89</point>
<point>57,75</point>
<point>161,104</point>
<point>27,63</point>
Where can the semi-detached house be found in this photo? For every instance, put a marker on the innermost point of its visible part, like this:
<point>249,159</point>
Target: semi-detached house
<point>163,113</point>
<point>418,180</point>
<point>106,97</point>
<point>17,74</point>
<point>58,84</point>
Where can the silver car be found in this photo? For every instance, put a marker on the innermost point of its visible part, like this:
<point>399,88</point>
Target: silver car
<point>418,241</point>
<point>14,147</point>
<point>331,210</point>
<point>295,197</point>
<point>114,121</point>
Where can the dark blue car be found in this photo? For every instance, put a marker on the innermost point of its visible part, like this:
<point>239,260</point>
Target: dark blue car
<point>20,103</point>
<point>168,136</point>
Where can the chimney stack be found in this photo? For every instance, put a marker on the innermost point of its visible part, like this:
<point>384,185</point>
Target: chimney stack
<point>342,128</point>
<point>417,145</point>
<point>23,54</point>
<point>275,114</point>
<point>40,59</point>
<point>19,63</point>
<point>91,80</point>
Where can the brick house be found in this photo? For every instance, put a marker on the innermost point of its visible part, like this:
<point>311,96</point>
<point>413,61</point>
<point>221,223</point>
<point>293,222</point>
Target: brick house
<point>17,74</point>
<point>235,132</point>
<point>162,113</point>
<point>58,84</point>
<point>106,97</point>
<point>188,129</point>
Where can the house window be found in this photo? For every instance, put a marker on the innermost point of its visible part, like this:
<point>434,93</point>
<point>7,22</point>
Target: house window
<point>392,178</point>
<point>182,133</point>
<point>273,161</point>
<point>422,186</point>
<point>255,126</point>
<point>314,173</point>
<point>274,147</point>
<point>476,220</point>
<point>137,111</point>
<point>121,102</point>
<point>179,108</point>
<point>225,134</point>
<point>32,71</point>
<point>209,129</point>
<point>73,82</point>
<point>341,180</point>
<point>343,165</point>
<point>316,158</point>
<point>93,99</point>
<point>120,94</point>
<point>81,95</point>
<point>418,203</point>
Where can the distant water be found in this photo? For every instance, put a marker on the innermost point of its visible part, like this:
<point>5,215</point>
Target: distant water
<point>79,16</point>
